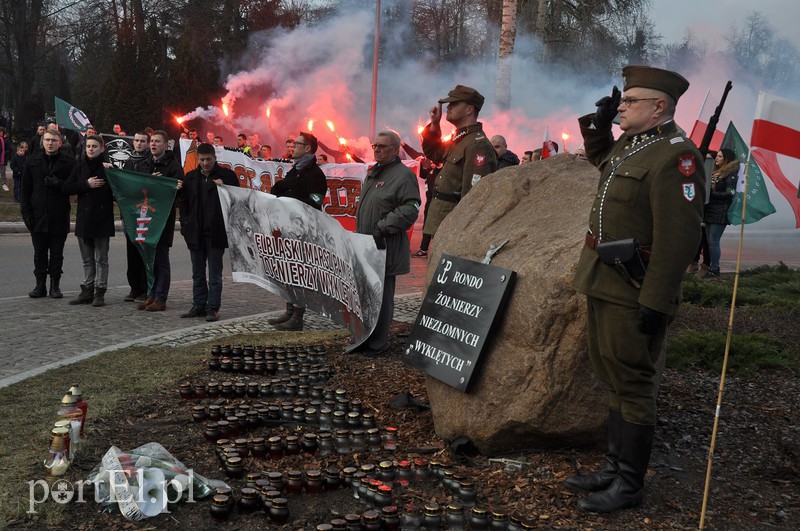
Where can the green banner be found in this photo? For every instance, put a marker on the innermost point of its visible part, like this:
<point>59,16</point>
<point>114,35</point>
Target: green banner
<point>70,117</point>
<point>145,202</point>
<point>758,203</point>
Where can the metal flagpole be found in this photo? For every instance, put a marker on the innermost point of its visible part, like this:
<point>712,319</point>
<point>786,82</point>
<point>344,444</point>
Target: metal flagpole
<point>727,347</point>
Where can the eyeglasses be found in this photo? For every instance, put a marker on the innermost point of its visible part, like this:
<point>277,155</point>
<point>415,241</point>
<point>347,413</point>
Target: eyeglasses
<point>382,146</point>
<point>627,102</point>
<point>296,143</point>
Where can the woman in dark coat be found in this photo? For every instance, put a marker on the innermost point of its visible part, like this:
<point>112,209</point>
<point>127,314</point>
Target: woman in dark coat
<point>715,214</point>
<point>95,220</point>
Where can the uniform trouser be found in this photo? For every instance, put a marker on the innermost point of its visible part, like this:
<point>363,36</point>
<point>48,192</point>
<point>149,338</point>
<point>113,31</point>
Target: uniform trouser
<point>48,253</point>
<point>625,359</point>
<point>379,339</point>
<point>94,253</point>
<point>207,294</point>
<point>161,274</point>
<point>136,273</point>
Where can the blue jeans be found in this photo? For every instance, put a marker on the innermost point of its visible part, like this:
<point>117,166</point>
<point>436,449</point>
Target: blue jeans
<point>94,253</point>
<point>714,234</point>
<point>207,294</point>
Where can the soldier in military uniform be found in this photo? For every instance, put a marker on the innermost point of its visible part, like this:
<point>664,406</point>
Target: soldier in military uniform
<point>467,157</point>
<point>644,229</point>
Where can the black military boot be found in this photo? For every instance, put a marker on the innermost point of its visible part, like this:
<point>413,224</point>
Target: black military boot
<point>41,288</point>
<point>295,322</point>
<point>627,489</point>
<point>285,317</point>
<point>601,479</point>
<point>99,297</point>
<point>85,296</point>
<point>55,289</point>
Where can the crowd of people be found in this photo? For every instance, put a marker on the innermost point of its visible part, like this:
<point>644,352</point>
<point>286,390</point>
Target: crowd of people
<point>643,230</point>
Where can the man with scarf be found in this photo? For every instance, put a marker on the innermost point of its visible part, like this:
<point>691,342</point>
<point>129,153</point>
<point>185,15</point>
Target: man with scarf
<point>387,207</point>
<point>467,157</point>
<point>136,273</point>
<point>304,182</point>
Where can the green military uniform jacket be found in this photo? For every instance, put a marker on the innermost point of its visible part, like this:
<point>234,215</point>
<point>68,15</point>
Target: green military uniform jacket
<point>656,196</point>
<point>467,157</point>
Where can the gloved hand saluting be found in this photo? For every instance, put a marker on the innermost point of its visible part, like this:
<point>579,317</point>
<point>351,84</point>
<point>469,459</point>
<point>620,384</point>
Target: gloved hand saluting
<point>650,321</point>
<point>606,109</point>
<point>380,240</point>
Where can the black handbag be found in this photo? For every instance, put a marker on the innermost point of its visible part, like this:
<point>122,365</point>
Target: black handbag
<point>626,257</point>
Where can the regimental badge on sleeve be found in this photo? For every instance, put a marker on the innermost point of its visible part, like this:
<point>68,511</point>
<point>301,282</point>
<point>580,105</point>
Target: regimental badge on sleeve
<point>688,191</point>
<point>480,159</point>
<point>686,165</point>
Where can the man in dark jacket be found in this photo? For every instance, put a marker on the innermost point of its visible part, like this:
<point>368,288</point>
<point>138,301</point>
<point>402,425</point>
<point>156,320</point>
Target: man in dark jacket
<point>307,183</point>
<point>387,207</point>
<point>203,228</point>
<point>45,211</point>
<point>136,272</point>
<point>161,162</point>
<point>505,157</point>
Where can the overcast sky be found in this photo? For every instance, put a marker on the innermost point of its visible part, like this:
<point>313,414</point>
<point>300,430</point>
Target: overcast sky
<point>712,19</point>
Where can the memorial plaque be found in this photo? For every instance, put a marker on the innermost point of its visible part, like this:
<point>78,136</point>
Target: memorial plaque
<point>464,302</point>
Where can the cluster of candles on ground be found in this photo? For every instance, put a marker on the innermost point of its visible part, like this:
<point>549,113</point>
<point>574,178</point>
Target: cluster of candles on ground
<point>67,433</point>
<point>284,389</point>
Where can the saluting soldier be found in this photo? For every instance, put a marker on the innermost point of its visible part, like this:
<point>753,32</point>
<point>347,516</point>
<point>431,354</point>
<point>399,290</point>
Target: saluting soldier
<point>467,157</point>
<point>644,229</point>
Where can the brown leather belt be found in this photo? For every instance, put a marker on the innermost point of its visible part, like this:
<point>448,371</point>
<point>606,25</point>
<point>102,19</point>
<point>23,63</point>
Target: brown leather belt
<point>593,241</point>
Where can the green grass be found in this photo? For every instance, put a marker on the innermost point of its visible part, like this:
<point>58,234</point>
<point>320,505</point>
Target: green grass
<point>107,381</point>
<point>775,287</point>
<point>748,353</point>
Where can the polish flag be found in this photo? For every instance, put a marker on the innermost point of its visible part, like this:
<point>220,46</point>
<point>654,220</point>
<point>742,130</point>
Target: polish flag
<point>776,126</point>
<point>549,148</point>
<point>701,124</point>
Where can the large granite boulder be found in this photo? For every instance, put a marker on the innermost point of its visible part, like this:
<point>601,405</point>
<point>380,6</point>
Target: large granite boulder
<point>535,387</point>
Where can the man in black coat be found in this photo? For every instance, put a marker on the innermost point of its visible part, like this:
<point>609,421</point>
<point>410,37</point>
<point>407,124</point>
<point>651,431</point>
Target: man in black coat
<point>307,183</point>
<point>203,228</point>
<point>161,162</point>
<point>45,211</point>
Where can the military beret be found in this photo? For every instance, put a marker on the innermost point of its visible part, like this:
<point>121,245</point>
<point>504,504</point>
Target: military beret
<point>465,94</point>
<point>666,81</point>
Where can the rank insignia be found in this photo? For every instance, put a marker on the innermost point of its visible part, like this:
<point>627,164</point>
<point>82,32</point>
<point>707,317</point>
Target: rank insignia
<point>480,159</point>
<point>686,165</point>
<point>688,191</point>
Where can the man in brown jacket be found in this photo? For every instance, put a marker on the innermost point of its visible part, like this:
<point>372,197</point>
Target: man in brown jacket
<point>650,194</point>
<point>467,156</point>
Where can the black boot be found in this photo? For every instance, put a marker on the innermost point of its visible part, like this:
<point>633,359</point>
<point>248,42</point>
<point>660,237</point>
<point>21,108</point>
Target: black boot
<point>285,317</point>
<point>85,296</point>
<point>99,297</point>
<point>627,489</point>
<point>295,322</point>
<point>601,479</point>
<point>41,288</point>
<point>55,289</point>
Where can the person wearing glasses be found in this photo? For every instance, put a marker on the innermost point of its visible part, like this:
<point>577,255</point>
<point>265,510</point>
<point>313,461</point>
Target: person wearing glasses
<point>466,157</point>
<point>304,182</point>
<point>387,207</point>
<point>644,228</point>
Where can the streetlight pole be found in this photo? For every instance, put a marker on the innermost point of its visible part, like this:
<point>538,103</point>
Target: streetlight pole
<point>375,52</point>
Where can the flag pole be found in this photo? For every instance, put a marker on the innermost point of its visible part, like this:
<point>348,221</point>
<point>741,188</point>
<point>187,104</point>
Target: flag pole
<point>727,348</point>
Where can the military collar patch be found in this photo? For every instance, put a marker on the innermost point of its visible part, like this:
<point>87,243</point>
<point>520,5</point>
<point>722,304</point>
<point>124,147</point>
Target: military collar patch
<point>378,185</point>
<point>686,165</point>
<point>480,159</point>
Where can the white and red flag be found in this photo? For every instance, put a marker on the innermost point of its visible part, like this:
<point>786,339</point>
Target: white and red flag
<point>707,110</point>
<point>549,148</point>
<point>776,126</point>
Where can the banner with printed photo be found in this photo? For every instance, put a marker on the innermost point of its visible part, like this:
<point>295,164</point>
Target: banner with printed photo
<point>344,180</point>
<point>304,256</point>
